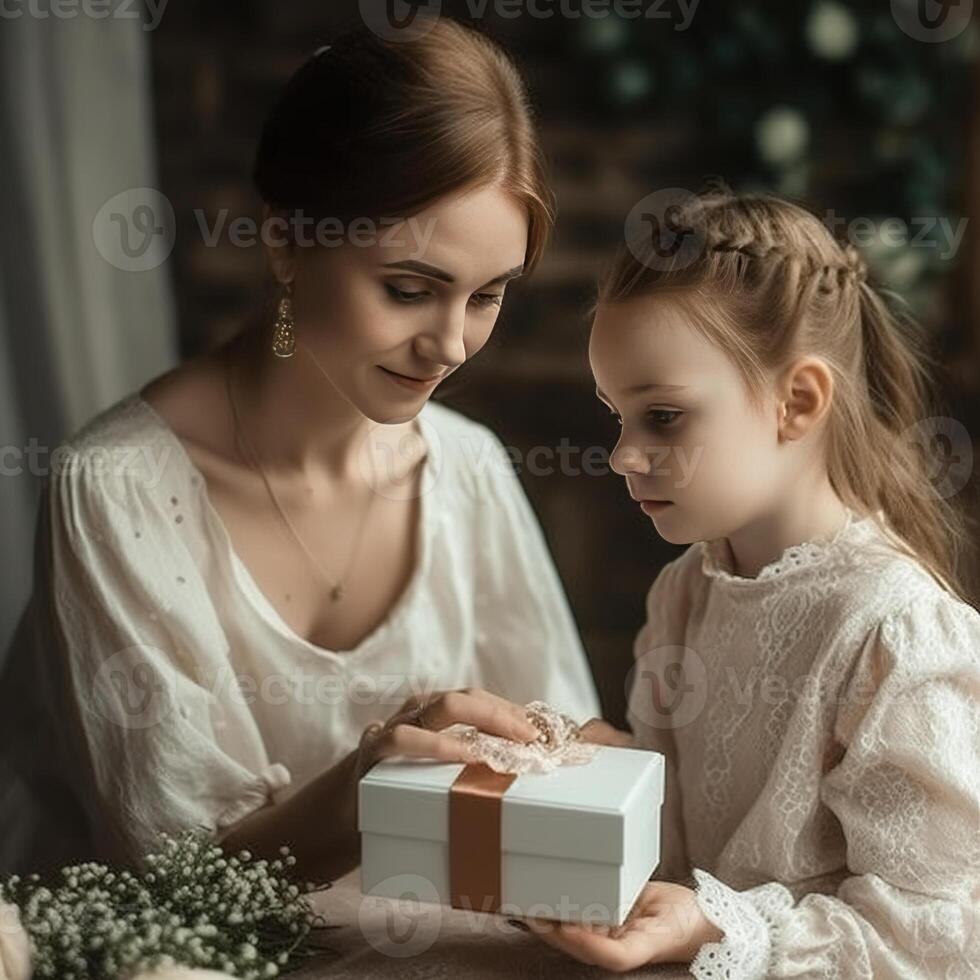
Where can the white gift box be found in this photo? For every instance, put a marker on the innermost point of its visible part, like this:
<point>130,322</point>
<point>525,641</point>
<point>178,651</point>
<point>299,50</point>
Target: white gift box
<point>575,844</point>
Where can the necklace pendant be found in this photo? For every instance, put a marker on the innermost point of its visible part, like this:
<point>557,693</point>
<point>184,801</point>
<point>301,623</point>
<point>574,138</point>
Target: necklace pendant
<point>337,592</point>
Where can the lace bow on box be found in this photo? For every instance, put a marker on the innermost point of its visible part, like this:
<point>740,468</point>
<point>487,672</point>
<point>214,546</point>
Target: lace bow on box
<point>559,743</point>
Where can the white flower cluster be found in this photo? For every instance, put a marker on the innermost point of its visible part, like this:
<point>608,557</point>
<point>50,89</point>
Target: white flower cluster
<point>195,906</point>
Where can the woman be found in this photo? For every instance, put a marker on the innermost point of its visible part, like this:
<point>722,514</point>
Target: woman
<point>280,562</point>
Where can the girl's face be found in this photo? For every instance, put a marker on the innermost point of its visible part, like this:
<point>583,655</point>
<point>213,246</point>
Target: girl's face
<point>700,458</point>
<point>391,312</point>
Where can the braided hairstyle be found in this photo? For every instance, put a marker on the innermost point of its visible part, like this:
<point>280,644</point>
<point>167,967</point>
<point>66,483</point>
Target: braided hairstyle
<point>767,281</point>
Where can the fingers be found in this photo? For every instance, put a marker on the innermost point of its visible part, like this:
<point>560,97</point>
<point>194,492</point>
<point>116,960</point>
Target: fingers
<point>552,933</point>
<point>407,740</point>
<point>564,936</point>
<point>601,732</point>
<point>419,734</point>
<point>594,944</point>
<point>631,950</point>
<point>485,711</point>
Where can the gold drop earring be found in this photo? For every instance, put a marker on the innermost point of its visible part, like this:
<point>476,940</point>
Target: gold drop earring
<point>284,335</point>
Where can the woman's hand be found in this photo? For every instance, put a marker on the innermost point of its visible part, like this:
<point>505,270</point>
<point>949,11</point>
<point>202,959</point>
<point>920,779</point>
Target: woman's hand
<point>665,925</point>
<point>415,730</point>
<point>601,732</point>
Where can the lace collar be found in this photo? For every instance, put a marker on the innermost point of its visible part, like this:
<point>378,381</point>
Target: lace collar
<point>716,556</point>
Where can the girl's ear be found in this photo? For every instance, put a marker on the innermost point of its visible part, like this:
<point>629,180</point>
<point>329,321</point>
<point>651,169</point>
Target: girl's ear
<point>805,396</point>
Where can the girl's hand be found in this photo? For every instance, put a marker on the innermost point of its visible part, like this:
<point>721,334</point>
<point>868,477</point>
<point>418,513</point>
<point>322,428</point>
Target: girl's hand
<point>665,925</point>
<point>601,732</point>
<point>415,730</point>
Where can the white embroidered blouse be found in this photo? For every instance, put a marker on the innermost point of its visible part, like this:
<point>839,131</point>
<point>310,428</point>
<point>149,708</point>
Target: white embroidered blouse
<point>822,722</point>
<point>152,686</point>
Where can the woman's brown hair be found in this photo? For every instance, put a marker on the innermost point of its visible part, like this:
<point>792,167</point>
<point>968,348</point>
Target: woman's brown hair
<point>375,128</point>
<point>768,282</point>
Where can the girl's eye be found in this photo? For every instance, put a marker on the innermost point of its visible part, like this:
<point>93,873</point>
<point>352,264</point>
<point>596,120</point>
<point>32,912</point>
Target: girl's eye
<point>404,295</point>
<point>488,299</point>
<point>663,416</point>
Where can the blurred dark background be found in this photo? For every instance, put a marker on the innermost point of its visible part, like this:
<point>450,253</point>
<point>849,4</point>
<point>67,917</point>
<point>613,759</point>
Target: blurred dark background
<point>861,109</point>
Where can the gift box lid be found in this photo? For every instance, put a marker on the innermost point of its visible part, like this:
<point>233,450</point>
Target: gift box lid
<point>574,811</point>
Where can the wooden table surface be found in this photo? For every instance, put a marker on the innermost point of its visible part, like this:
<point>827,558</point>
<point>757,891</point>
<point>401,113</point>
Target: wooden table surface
<point>380,937</point>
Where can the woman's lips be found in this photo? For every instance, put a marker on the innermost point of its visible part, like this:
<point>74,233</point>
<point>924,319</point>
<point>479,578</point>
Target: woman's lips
<point>415,384</point>
<point>652,507</point>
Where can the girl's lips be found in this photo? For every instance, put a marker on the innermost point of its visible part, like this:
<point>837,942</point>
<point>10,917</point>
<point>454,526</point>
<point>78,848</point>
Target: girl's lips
<point>652,507</point>
<point>415,384</point>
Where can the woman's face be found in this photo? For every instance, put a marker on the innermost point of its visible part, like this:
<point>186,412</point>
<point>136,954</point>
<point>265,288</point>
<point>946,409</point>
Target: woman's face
<point>390,314</point>
<point>691,438</point>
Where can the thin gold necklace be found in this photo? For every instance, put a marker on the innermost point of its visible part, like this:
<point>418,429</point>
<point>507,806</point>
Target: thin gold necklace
<point>337,589</point>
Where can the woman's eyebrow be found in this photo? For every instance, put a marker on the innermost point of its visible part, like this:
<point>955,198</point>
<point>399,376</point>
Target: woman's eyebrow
<point>635,389</point>
<point>434,272</point>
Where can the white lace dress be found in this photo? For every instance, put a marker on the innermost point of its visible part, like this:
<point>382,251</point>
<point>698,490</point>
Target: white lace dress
<point>822,722</point>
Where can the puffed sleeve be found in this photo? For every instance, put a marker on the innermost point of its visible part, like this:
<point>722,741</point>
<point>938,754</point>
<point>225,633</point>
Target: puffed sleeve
<point>130,662</point>
<point>528,646</point>
<point>907,795</point>
<point>656,694</point>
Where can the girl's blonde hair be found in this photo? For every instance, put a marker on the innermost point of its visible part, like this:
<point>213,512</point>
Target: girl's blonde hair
<point>766,281</point>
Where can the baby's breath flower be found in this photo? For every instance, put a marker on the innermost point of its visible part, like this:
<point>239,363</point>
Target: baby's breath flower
<point>194,906</point>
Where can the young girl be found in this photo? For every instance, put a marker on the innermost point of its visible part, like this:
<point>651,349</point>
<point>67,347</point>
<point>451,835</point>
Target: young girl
<point>807,665</point>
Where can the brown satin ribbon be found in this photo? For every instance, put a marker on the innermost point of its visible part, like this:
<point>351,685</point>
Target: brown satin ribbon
<point>475,806</point>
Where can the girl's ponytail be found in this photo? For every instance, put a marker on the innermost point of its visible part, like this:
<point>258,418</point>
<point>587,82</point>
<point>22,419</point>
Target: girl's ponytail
<point>899,474</point>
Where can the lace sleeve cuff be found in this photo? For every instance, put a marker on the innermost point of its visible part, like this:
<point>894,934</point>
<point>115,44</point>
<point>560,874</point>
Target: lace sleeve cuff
<point>255,795</point>
<point>747,920</point>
